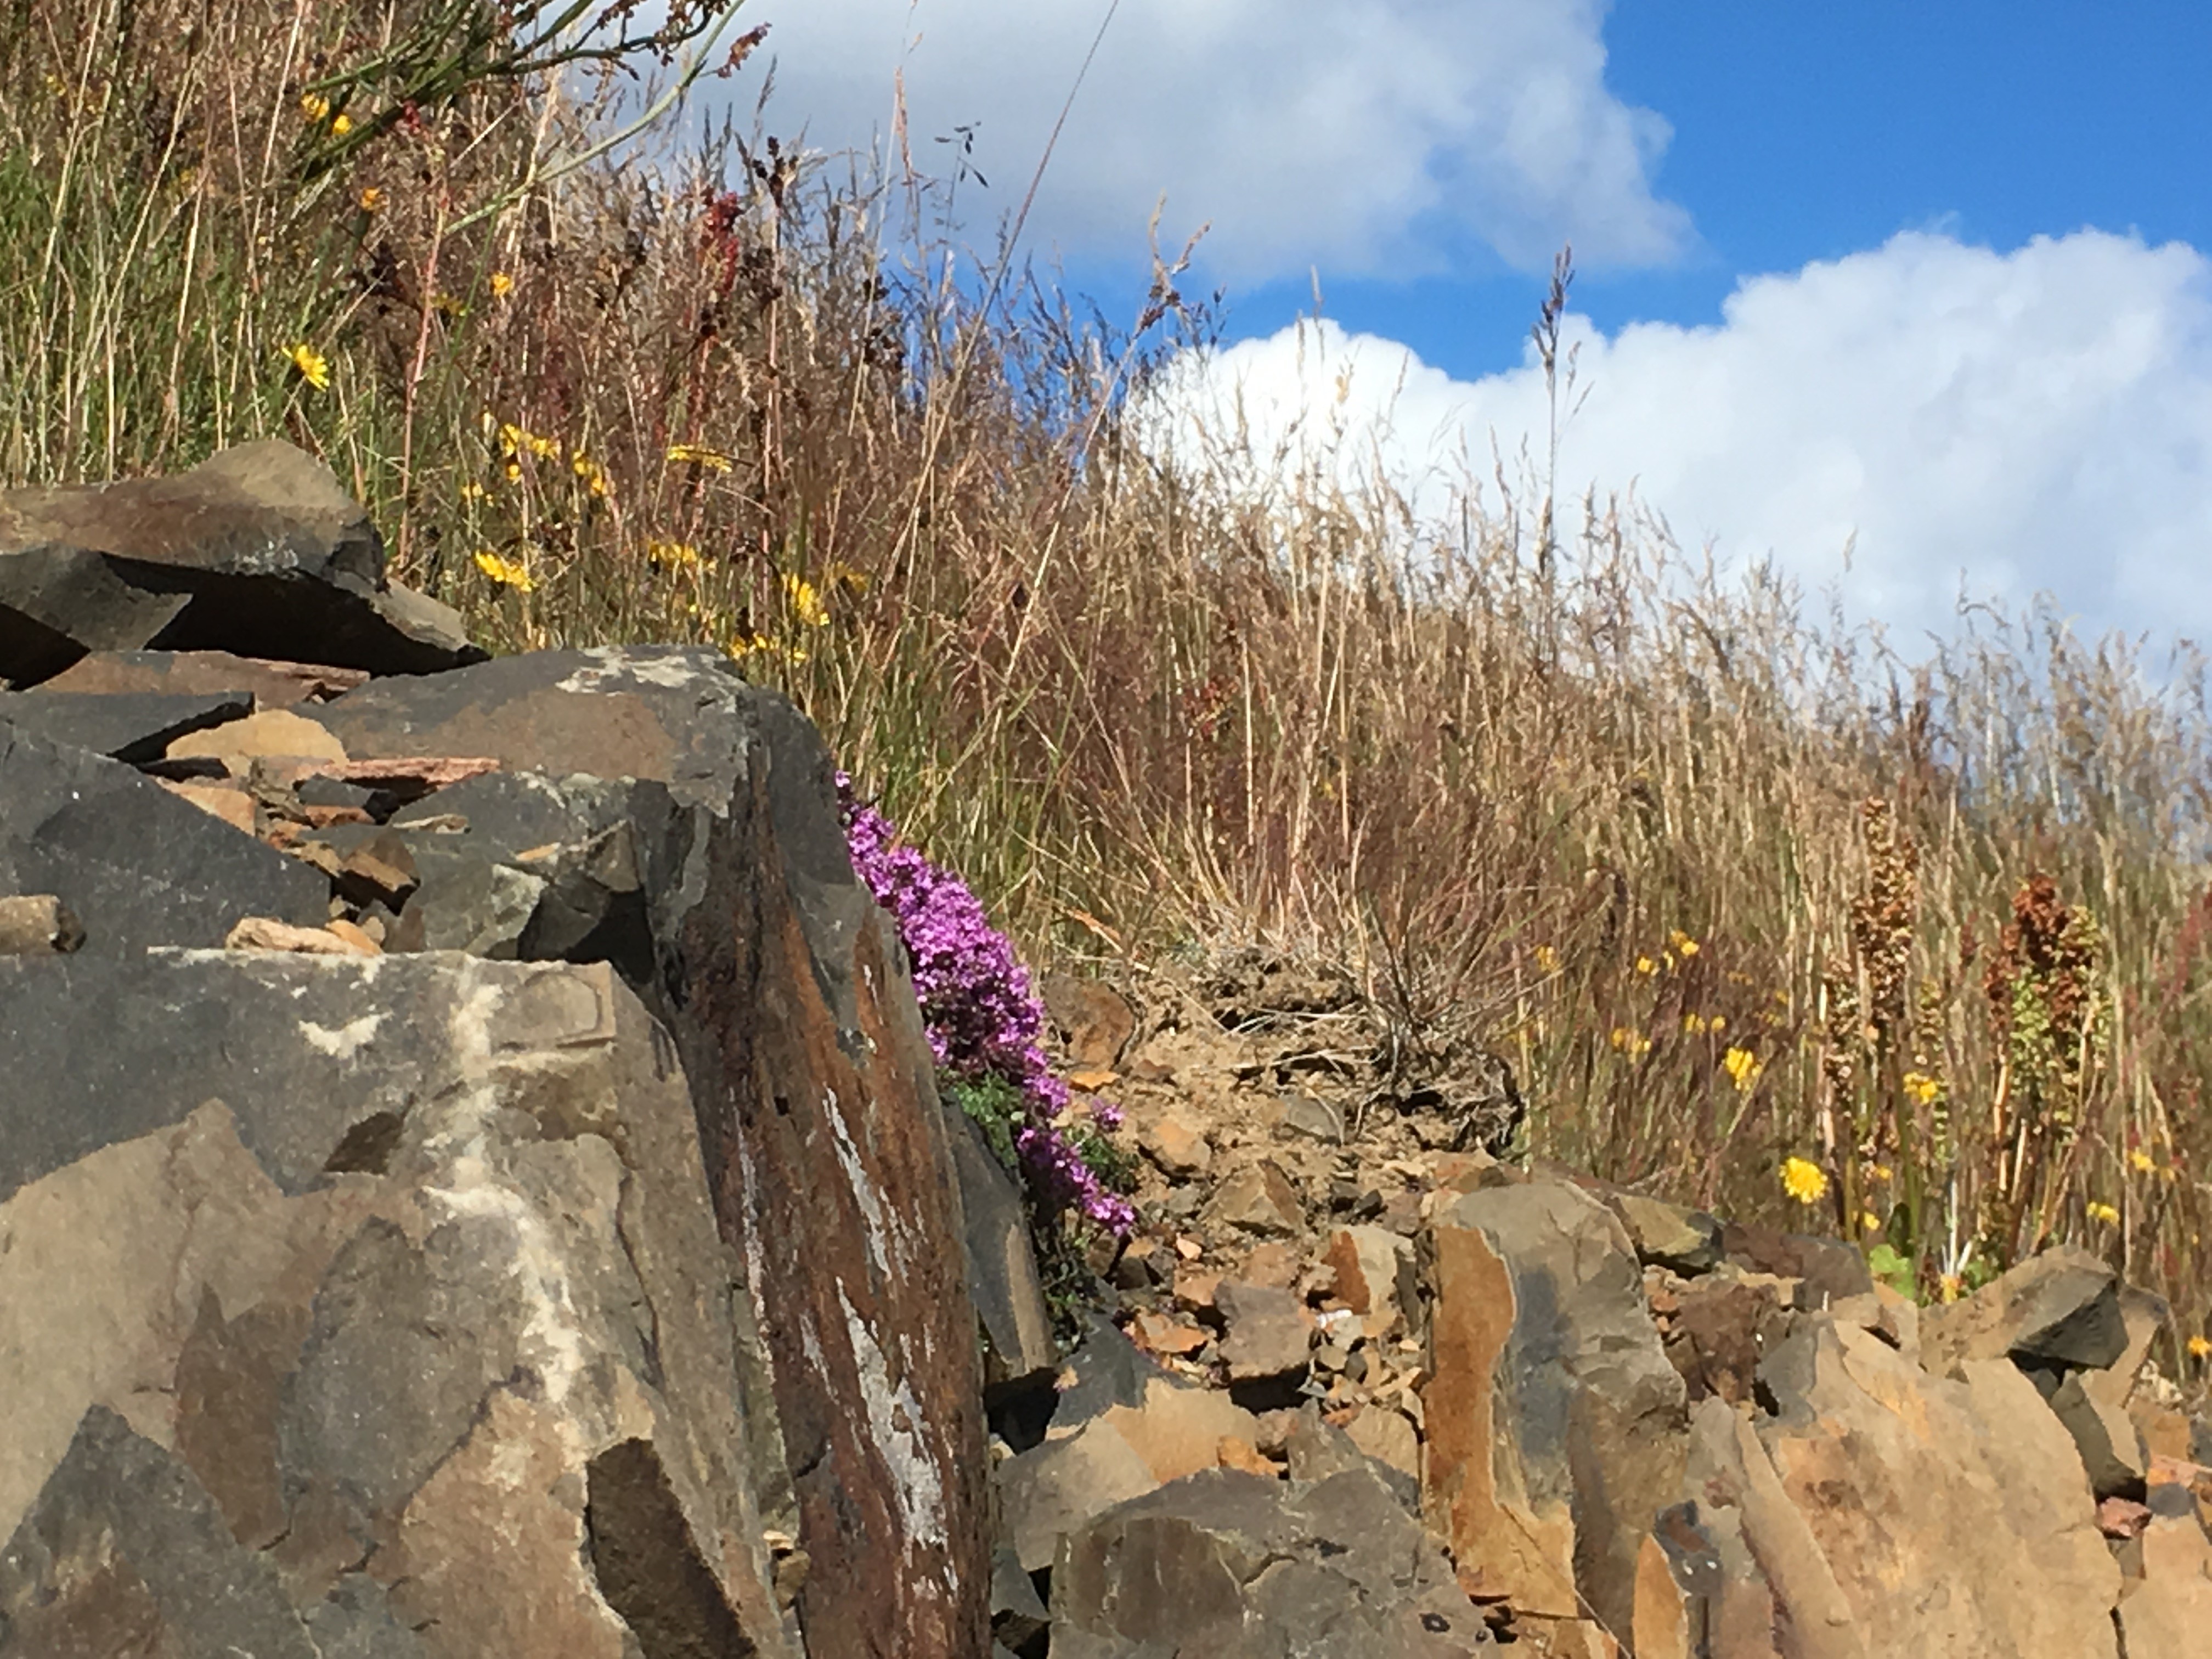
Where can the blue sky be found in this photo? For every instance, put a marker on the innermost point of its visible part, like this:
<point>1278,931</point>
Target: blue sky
<point>1805,132</point>
<point>1921,282</point>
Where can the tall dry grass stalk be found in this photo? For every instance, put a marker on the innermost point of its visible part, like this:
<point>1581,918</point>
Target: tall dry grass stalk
<point>1727,885</point>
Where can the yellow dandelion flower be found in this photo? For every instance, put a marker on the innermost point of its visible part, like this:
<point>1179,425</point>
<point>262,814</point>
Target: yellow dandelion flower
<point>2140,1160</point>
<point>1683,943</point>
<point>1869,1222</point>
<point>1881,1172</point>
<point>314,368</point>
<point>508,573</point>
<point>2098,1211</point>
<point>340,124</point>
<point>1645,966</point>
<point>2200,1347</point>
<point>512,437</point>
<point>545,449</point>
<point>699,455</point>
<point>1547,959</point>
<point>1694,1025</point>
<point>804,600</point>
<point>502,285</point>
<point>1922,1087</point>
<point>371,200</point>
<point>1717,1023</point>
<point>314,108</point>
<point>1743,1069</point>
<point>1804,1180</point>
<point>514,470</point>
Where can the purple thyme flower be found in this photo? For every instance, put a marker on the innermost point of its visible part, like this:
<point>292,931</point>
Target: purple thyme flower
<point>983,1016</point>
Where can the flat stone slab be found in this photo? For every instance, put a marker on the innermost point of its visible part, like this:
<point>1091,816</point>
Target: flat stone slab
<point>662,711</point>
<point>126,726</point>
<point>272,684</point>
<point>255,551</point>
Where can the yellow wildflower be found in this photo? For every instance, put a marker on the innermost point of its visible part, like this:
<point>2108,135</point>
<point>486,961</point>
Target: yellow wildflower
<point>1742,1067</point>
<point>1881,1172</point>
<point>508,573</point>
<point>1632,1043</point>
<point>804,600</point>
<point>1547,959</point>
<point>1805,1182</point>
<point>1717,1023</point>
<point>2140,1160</point>
<point>314,107</point>
<point>682,555</point>
<point>1869,1222</point>
<point>514,470</point>
<point>1922,1087</point>
<point>744,645</point>
<point>1645,966</point>
<point>502,285</point>
<point>447,306</point>
<point>1694,1025</point>
<point>2098,1211</point>
<point>2200,1347</point>
<point>699,455</point>
<point>473,491</point>
<point>1683,943</point>
<point>340,124</point>
<point>371,200</point>
<point>854,582</point>
<point>1951,1286</point>
<point>314,368</point>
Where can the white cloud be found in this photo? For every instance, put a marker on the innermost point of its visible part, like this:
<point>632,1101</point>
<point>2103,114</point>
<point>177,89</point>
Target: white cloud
<point>1372,136</point>
<point>2036,420</point>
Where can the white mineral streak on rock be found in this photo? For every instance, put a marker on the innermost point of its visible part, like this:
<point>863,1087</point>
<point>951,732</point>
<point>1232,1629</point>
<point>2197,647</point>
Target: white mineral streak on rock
<point>347,1040</point>
<point>883,1239</point>
<point>893,1415</point>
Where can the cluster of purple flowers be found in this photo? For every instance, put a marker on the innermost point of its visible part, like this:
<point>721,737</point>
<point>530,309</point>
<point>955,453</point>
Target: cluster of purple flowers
<point>983,1016</point>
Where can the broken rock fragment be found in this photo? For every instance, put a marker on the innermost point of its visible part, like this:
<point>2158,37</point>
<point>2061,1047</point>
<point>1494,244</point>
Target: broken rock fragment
<point>252,552</point>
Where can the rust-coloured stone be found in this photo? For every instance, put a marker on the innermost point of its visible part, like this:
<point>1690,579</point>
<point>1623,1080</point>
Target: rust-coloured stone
<point>274,684</point>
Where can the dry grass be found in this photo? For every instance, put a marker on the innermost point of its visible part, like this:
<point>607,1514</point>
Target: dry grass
<point>1581,797</point>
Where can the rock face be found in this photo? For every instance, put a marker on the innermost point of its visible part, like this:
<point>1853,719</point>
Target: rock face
<point>364,1294</point>
<point>429,1341</point>
<point>1555,1422</point>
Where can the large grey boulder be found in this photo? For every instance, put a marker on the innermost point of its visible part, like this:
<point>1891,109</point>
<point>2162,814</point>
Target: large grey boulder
<point>389,1312</point>
<point>833,1166</point>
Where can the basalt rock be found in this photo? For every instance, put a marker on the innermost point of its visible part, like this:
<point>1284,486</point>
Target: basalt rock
<point>377,1302</point>
<point>250,552</point>
<point>387,1303</point>
<point>1228,1563</point>
<point>135,864</point>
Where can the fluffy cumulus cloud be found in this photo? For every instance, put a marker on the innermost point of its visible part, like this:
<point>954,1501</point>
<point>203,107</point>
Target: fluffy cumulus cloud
<point>2025,422</point>
<point>1372,136</point>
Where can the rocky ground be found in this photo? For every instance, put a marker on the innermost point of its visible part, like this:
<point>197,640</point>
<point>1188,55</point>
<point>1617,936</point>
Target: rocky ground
<point>1367,1388</point>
